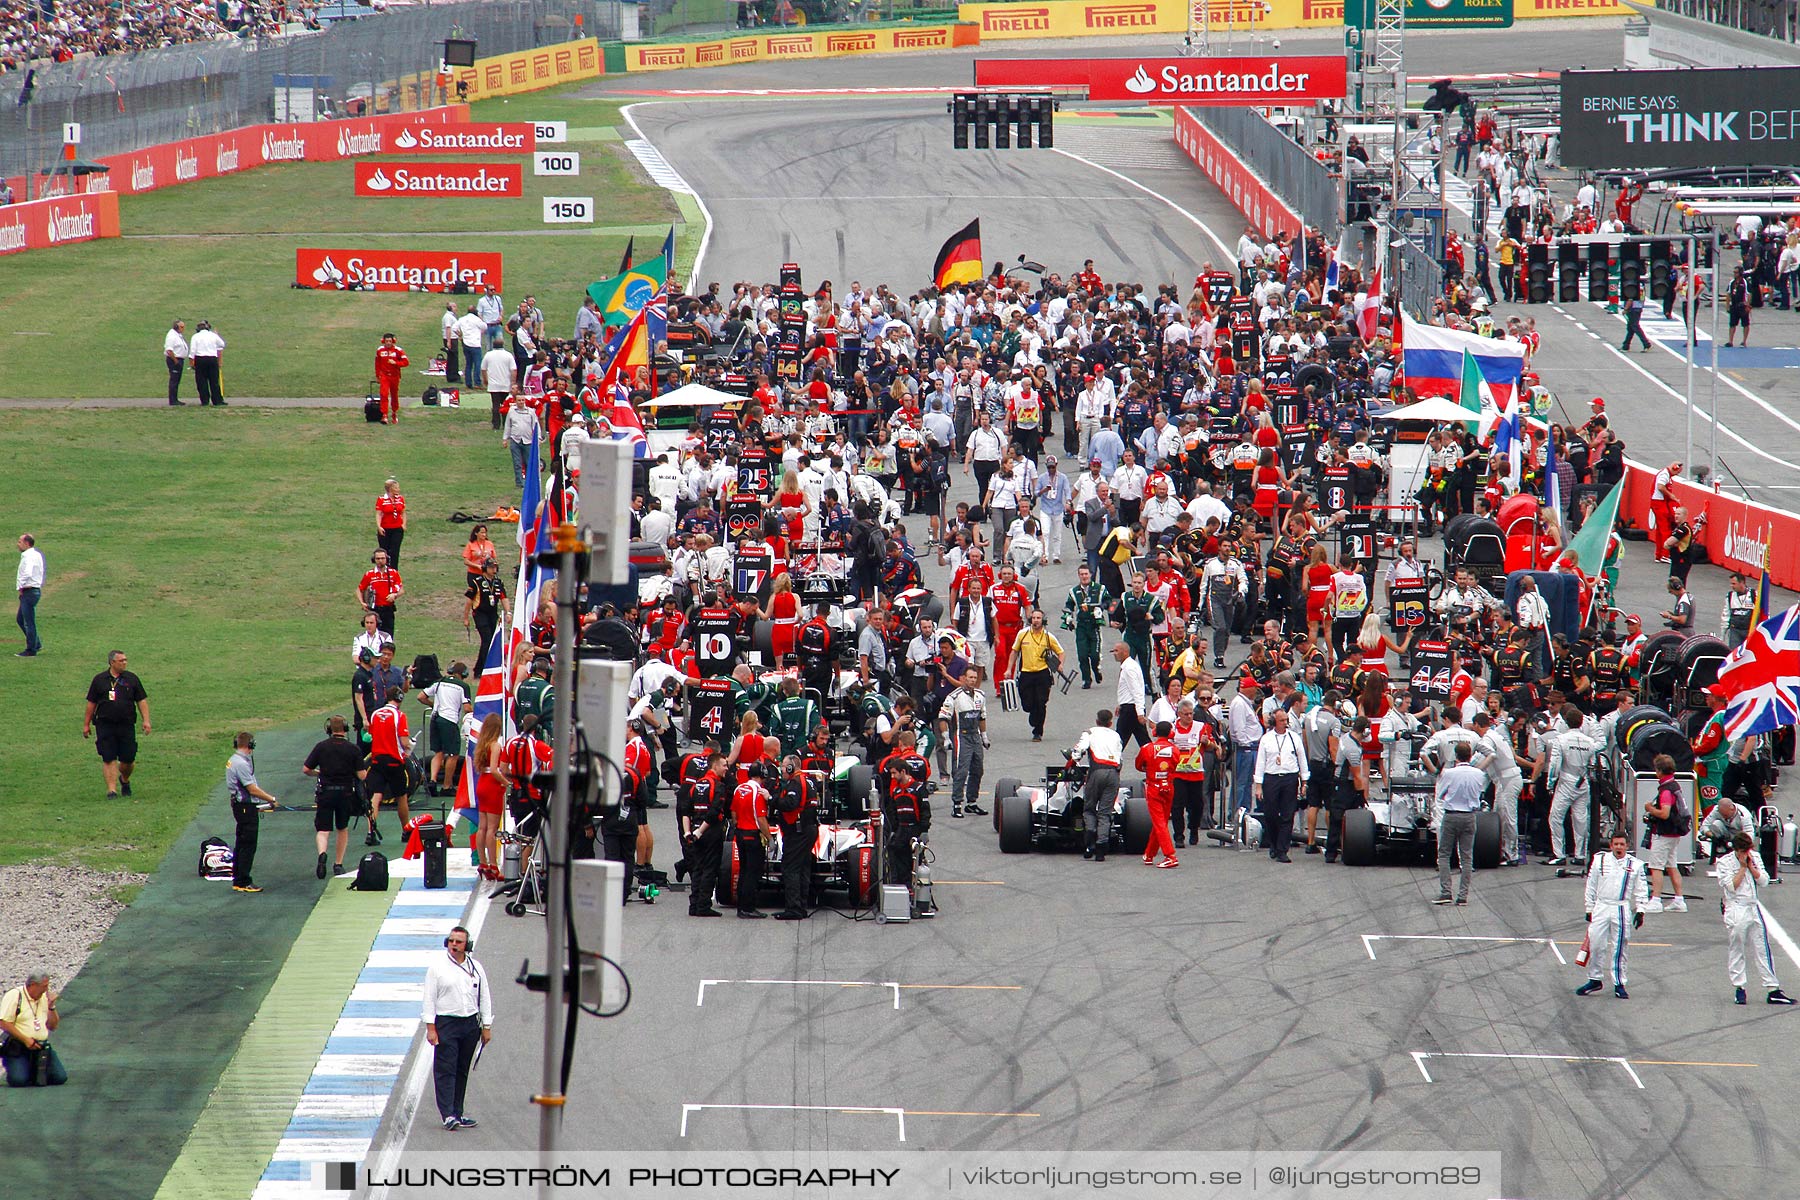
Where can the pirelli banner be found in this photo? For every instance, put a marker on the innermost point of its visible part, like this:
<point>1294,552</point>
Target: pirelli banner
<point>777,47</point>
<point>529,70</point>
<point>1692,117</point>
<point>1110,18</point>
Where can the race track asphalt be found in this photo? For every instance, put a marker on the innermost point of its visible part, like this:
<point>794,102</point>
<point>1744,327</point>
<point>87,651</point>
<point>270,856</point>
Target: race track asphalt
<point>1230,1004</point>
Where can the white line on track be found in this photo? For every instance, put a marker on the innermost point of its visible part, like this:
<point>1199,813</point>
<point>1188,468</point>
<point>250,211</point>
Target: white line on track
<point>700,998</point>
<point>686,188</point>
<point>1203,226</point>
<point>1779,936</point>
<point>1369,940</point>
<point>899,1114</point>
<point>1419,1057</point>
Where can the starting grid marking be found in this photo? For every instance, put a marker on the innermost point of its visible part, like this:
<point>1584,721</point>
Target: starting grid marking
<point>1369,940</point>
<point>897,988</point>
<point>899,1114</point>
<point>1630,1065</point>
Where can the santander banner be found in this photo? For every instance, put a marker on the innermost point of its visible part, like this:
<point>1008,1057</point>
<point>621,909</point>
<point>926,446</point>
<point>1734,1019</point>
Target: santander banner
<point>237,150</point>
<point>437,179</point>
<point>1739,535</point>
<point>394,270</point>
<point>480,138</point>
<point>1260,79</point>
<point>59,221</point>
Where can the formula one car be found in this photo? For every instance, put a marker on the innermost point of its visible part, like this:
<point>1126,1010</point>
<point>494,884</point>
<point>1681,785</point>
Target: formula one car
<point>843,854</point>
<point>1049,817</point>
<point>1397,817</point>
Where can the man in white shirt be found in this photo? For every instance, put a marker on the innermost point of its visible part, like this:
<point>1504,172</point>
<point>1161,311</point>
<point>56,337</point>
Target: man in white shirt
<point>458,1012</point>
<point>1245,730</point>
<point>472,331</point>
<point>206,350</point>
<point>1280,771</point>
<point>1100,750</point>
<point>500,372</point>
<point>1130,697</point>
<point>492,311</point>
<point>1746,933</point>
<point>1494,754</point>
<point>1206,506</point>
<point>175,356</point>
<point>1128,483</point>
<point>31,588</point>
<point>1534,614</point>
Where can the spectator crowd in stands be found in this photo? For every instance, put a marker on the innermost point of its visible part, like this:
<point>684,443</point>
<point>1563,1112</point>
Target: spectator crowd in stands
<point>37,31</point>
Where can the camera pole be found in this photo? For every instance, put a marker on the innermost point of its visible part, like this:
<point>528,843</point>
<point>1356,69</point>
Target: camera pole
<point>550,1098</point>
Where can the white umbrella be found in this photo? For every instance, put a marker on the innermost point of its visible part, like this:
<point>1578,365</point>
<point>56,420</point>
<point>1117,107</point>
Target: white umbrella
<point>1432,408</point>
<point>693,395</point>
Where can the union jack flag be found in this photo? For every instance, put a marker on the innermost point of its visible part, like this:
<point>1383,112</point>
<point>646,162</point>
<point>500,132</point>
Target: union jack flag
<point>490,698</point>
<point>1760,680</point>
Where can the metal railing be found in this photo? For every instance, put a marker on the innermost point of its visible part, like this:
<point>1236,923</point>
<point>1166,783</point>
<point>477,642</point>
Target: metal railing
<point>127,102</point>
<point>1418,278</point>
<point>1303,181</point>
<point>665,17</point>
<point>1778,19</point>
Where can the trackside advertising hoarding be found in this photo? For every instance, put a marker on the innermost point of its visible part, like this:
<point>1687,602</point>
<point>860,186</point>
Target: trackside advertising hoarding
<point>59,221</point>
<point>1260,79</point>
<point>1738,116</point>
<point>518,137</point>
<point>395,270</point>
<point>436,179</point>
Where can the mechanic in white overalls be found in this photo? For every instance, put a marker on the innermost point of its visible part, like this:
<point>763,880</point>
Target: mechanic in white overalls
<point>1618,887</point>
<point>1746,933</point>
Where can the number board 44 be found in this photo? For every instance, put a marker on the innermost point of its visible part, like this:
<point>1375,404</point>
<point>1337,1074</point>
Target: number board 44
<point>568,210</point>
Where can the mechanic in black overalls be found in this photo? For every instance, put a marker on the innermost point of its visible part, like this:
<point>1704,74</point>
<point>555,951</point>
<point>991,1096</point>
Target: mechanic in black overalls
<point>906,813</point>
<point>797,812</point>
<point>1514,671</point>
<point>708,803</point>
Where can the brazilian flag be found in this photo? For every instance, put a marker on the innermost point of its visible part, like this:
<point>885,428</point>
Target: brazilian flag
<point>624,295</point>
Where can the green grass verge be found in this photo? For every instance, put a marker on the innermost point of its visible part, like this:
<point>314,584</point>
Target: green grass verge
<point>221,552</point>
<point>234,263</point>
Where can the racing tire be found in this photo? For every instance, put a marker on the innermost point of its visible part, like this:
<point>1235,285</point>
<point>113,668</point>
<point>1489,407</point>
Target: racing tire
<point>728,873</point>
<point>1137,825</point>
<point>860,872</point>
<point>1015,824</point>
<point>1006,787</point>
<point>1359,838</point>
<point>859,788</point>
<point>1487,841</point>
<point>762,640</point>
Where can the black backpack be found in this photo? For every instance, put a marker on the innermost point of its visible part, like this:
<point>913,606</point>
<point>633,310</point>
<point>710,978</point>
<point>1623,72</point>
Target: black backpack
<point>815,640</point>
<point>372,411</point>
<point>371,873</point>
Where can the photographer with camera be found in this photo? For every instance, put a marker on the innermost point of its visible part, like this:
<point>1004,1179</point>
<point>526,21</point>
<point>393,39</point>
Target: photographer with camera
<point>338,766</point>
<point>27,1019</point>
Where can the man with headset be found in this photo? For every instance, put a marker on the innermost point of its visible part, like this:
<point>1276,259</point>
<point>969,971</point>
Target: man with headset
<point>247,800</point>
<point>458,1015</point>
<point>338,766</point>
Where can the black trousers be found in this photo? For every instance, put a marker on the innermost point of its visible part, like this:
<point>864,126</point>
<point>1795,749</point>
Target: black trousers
<point>243,851</point>
<point>176,367</point>
<point>621,847</point>
<point>1280,794</point>
<point>797,841</point>
<point>984,471</point>
<point>390,540</point>
<point>1130,725</point>
<point>1034,695</point>
<point>206,379</point>
<point>703,865</point>
<point>1190,799</point>
<point>452,352</point>
<point>485,628</point>
<point>752,861</point>
<point>384,618</point>
<point>451,1059</point>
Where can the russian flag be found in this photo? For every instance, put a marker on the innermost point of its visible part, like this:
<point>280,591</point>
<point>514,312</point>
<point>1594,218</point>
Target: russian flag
<point>1433,358</point>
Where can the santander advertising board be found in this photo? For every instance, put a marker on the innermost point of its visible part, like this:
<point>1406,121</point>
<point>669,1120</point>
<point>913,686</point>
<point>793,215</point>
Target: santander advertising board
<point>511,137</point>
<point>440,179</point>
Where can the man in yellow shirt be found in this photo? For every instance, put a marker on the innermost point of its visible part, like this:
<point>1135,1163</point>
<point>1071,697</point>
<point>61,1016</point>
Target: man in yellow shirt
<point>1507,253</point>
<point>1031,666</point>
<point>27,1018</point>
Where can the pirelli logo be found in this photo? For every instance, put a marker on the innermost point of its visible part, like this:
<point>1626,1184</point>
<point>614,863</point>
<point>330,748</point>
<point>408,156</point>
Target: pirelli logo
<point>920,39</point>
<point>1120,16</point>
<point>587,57</point>
<point>709,54</point>
<point>1322,10</point>
<point>742,50</point>
<point>662,56</point>
<point>1019,19</point>
<point>849,43</point>
<point>789,47</point>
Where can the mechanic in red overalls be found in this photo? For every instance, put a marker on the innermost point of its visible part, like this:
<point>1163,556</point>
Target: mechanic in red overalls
<point>750,818</point>
<point>390,360</point>
<point>1157,762</point>
<point>1012,604</point>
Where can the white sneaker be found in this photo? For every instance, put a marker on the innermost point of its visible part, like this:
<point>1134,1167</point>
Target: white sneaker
<point>1655,905</point>
<point>1677,904</point>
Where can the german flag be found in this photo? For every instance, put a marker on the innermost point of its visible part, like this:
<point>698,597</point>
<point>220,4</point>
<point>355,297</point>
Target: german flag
<point>960,259</point>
